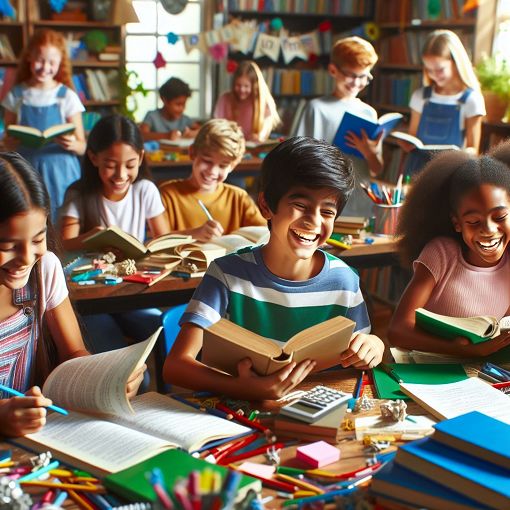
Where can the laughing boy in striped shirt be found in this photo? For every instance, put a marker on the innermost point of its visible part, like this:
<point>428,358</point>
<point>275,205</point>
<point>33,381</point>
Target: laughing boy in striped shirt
<point>285,286</point>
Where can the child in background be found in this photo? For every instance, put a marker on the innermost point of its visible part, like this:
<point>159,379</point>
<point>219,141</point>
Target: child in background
<point>43,97</point>
<point>217,149</point>
<point>284,286</point>
<point>459,248</point>
<point>351,63</point>
<point>249,103</point>
<point>114,190</point>
<point>170,122</point>
<point>33,294</point>
<point>449,108</point>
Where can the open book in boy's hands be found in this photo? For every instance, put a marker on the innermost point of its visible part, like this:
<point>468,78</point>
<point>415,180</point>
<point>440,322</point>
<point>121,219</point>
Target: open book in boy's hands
<point>418,144</point>
<point>35,138</point>
<point>130,246</point>
<point>476,329</point>
<point>226,343</point>
<point>355,123</point>
<point>104,431</point>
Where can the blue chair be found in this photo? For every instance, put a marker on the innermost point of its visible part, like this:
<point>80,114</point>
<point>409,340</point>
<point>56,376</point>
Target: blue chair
<point>170,321</point>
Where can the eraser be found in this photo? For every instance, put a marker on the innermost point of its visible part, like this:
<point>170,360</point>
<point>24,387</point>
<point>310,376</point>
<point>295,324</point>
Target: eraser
<point>318,454</point>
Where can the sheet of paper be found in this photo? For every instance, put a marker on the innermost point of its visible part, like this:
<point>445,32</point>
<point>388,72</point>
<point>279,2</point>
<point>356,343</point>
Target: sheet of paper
<point>375,425</point>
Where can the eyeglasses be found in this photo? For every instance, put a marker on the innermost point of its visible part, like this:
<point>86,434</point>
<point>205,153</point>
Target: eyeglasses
<point>352,77</point>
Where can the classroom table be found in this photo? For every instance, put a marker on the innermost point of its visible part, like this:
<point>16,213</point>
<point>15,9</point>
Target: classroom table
<point>172,291</point>
<point>353,456</point>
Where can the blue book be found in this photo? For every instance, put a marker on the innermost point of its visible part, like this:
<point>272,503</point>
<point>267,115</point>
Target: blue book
<point>394,481</point>
<point>477,434</point>
<point>474,478</point>
<point>355,123</point>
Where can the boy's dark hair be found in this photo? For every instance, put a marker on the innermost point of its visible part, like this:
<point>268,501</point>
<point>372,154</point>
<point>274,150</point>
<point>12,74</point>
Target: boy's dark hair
<point>435,195</point>
<point>174,87</point>
<point>305,161</point>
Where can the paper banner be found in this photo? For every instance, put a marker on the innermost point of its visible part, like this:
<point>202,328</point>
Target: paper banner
<point>292,48</point>
<point>311,43</point>
<point>267,45</point>
<point>193,42</point>
<point>212,37</point>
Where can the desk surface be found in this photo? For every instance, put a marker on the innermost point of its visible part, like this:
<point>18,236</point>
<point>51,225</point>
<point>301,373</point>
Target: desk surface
<point>172,291</point>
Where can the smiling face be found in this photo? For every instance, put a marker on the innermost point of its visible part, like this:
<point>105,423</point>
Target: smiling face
<point>442,71</point>
<point>117,167</point>
<point>303,221</point>
<point>22,244</point>
<point>44,65</point>
<point>210,168</point>
<point>350,80</point>
<point>243,88</point>
<point>483,219</point>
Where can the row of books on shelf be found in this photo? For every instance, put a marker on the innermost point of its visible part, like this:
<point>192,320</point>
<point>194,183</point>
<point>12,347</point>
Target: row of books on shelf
<point>97,84</point>
<point>6,49</point>
<point>397,88</point>
<point>405,48</point>
<point>298,81</point>
<point>418,10</point>
<point>336,7</point>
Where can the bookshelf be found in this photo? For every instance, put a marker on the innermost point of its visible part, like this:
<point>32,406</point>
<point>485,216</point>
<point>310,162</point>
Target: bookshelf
<point>293,82</point>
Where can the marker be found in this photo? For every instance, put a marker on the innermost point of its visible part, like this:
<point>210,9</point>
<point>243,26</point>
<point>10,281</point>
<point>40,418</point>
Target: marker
<point>206,211</point>
<point>17,393</point>
<point>35,475</point>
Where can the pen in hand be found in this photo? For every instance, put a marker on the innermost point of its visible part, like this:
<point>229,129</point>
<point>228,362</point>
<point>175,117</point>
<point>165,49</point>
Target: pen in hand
<point>16,393</point>
<point>206,211</point>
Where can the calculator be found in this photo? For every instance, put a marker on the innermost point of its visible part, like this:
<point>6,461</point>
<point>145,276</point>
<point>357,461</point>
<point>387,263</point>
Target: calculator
<point>315,403</point>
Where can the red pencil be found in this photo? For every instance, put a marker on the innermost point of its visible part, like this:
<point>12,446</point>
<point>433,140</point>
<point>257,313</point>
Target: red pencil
<point>234,447</point>
<point>242,419</point>
<point>276,484</point>
<point>251,453</point>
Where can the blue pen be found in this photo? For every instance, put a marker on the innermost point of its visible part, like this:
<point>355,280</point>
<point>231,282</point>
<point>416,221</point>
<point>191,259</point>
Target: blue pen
<point>17,393</point>
<point>229,489</point>
<point>34,475</point>
<point>99,501</point>
<point>60,499</point>
<point>88,275</point>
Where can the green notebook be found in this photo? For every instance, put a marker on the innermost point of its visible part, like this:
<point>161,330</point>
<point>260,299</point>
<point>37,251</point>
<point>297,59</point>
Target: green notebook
<point>132,484</point>
<point>423,373</point>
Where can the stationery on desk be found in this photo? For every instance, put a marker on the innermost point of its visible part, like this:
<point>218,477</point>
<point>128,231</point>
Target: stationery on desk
<point>226,343</point>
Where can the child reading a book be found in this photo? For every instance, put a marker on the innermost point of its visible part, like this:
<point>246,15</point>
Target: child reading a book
<point>44,97</point>
<point>217,149</point>
<point>448,109</point>
<point>461,262</point>
<point>170,122</point>
<point>38,328</point>
<point>285,286</point>
<point>351,62</point>
<point>114,190</point>
<point>249,103</point>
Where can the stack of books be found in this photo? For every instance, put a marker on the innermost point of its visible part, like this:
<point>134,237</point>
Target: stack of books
<point>350,225</point>
<point>465,465</point>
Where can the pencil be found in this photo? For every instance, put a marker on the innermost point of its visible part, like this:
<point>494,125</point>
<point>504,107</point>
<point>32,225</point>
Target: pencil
<point>206,211</point>
<point>16,393</point>
<point>71,486</point>
<point>338,244</point>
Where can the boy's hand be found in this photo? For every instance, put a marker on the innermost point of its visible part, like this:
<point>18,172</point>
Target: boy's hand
<point>365,145</point>
<point>207,231</point>
<point>364,351</point>
<point>134,381</point>
<point>466,348</point>
<point>175,134</point>
<point>276,385</point>
<point>189,132</point>
<point>23,415</point>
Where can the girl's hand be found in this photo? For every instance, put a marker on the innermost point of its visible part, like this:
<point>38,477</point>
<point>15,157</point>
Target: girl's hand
<point>364,351</point>
<point>363,144</point>
<point>276,385</point>
<point>134,382</point>
<point>23,415</point>
<point>70,143</point>
<point>207,231</point>
<point>466,348</point>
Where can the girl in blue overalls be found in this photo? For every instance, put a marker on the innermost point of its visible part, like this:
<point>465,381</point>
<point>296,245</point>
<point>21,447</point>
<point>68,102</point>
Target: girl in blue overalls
<point>33,294</point>
<point>449,108</point>
<point>41,98</point>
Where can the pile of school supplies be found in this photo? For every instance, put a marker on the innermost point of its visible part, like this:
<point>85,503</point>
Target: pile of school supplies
<point>384,194</point>
<point>350,225</point>
<point>464,465</point>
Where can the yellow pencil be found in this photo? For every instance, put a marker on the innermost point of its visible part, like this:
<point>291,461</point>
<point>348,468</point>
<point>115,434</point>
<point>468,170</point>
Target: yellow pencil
<point>84,505</point>
<point>300,483</point>
<point>72,486</point>
<point>8,463</point>
<point>338,244</point>
<point>303,494</point>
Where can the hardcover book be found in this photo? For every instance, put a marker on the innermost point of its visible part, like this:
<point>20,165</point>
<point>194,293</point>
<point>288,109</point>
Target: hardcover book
<point>355,124</point>
<point>35,138</point>
<point>225,344</point>
<point>419,145</point>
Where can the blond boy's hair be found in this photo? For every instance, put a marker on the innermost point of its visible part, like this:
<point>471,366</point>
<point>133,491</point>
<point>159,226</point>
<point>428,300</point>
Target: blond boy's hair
<point>353,52</point>
<point>222,136</point>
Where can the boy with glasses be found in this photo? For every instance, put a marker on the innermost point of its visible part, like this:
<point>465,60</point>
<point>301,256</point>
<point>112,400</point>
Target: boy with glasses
<point>351,62</point>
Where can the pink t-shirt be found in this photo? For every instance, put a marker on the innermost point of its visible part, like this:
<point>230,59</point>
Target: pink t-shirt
<point>463,290</point>
<point>223,110</point>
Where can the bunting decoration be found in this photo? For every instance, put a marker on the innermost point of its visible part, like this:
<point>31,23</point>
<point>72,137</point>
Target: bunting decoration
<point>159,61</point>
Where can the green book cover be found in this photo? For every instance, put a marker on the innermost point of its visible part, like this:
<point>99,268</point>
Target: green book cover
<point>424,373</point>
<point>35,138</point>
<point>132,484</point>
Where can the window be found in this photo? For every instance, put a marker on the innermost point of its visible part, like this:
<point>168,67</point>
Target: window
<point>145,38</point>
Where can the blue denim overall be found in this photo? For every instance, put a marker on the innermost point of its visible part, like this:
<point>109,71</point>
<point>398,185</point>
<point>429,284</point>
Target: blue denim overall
<point>18,340</point>
<point>439,125</point>
<point>59,168</point>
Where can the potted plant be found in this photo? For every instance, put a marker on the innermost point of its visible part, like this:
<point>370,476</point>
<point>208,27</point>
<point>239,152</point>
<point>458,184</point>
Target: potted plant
<point>494,75</point>
<point>130,86</point>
